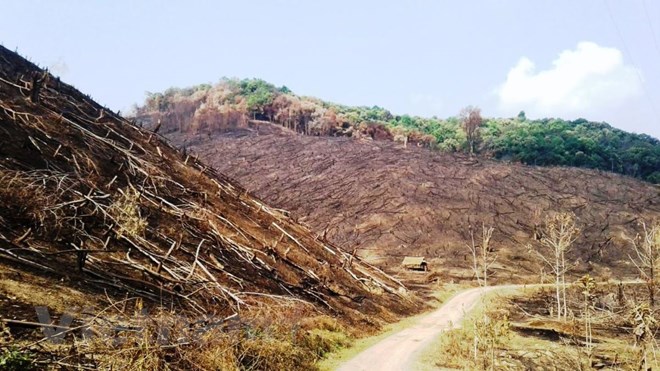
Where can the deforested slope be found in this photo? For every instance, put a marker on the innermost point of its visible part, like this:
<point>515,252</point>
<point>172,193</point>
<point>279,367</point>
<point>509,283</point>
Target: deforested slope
<point>388,200</point>
<point>91,203</point>
<point>546,142</point>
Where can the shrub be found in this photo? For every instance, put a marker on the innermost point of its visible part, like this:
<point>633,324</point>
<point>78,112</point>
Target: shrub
<point>474,345</point>
<point>13,359</point>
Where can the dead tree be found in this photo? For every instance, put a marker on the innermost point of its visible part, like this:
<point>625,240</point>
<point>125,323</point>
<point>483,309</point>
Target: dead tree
<point>471,121</point>
<point>588,284</point>
<point>559,233</point>
<point>37,81</point>
<point>644,329</point>
<point>647,256</point>
<point>482,258</point>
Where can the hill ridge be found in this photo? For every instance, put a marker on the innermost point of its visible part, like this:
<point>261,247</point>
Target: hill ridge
<point>233,103</point>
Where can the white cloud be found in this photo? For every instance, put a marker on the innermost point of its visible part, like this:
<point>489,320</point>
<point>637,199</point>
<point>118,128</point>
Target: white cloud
<point>580,82</point>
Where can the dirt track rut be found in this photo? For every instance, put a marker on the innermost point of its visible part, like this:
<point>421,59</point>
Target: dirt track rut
<point>399,351</point>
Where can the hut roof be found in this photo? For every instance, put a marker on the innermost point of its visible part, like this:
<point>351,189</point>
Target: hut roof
<point>413,260</point>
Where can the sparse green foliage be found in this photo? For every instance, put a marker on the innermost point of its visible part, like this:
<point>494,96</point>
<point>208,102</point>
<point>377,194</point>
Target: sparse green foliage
<point>12,359</point>
<point>490,333</point>
<point>475,345</point>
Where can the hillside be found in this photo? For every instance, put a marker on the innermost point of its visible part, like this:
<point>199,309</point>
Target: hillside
<point>388,200</point>
<point>546,142</point>
<point>99,213</point>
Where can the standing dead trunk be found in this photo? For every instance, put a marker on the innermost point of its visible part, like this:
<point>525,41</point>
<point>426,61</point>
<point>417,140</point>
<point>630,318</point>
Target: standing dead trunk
<point>557,288</point>
<point>651,281</point>
<point>558,235</point>
<point>475,258</point>
<point>482,258</point>
<point>645,257</point>
<point>563,285</point>
<point>37,82</point>
<point>486,259</point>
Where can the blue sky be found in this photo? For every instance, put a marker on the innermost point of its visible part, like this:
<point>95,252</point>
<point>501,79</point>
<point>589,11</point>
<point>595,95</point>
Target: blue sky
<point>597,59</point>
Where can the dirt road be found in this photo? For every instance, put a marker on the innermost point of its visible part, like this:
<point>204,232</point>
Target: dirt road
<point>400,350</point>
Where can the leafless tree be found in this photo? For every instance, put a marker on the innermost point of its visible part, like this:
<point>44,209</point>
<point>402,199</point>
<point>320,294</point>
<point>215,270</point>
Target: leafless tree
<point>646,256</point>
<point>588,284</point>
<point>644,329</point>
<point>559,233</point>
<point>482,257</point>
<point>471,121</point>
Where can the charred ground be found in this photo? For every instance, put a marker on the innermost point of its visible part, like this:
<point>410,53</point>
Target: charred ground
<point>388,200</point>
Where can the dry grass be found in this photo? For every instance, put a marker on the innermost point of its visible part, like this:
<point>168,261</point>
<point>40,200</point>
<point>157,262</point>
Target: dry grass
<point>477,343</point>
<point>125,210</point>
<point>249,346</point>
<point>537,341</point>
<point>272,337</point>
<point>29,196</point>
<point>57,298</point>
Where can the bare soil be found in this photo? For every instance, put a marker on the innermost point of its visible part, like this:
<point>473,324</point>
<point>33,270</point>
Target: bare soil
<point>400,350</point>
<point>388,201</point>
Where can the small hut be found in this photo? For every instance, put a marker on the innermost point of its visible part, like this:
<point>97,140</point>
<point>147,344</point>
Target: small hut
<point>416,263</point>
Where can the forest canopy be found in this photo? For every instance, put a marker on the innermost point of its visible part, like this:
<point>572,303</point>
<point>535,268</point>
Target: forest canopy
<point>544,142</point>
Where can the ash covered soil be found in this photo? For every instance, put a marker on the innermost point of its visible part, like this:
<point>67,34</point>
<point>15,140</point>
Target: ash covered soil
<point>387,201</point>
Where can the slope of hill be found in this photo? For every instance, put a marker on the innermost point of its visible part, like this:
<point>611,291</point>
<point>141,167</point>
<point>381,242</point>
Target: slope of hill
<point>96,211</point>
<point>389,201</point>
<point>547,142</point>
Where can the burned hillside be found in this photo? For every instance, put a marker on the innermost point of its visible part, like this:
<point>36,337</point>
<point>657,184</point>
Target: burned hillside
<point>92,202</point>
<point>388,200</point>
